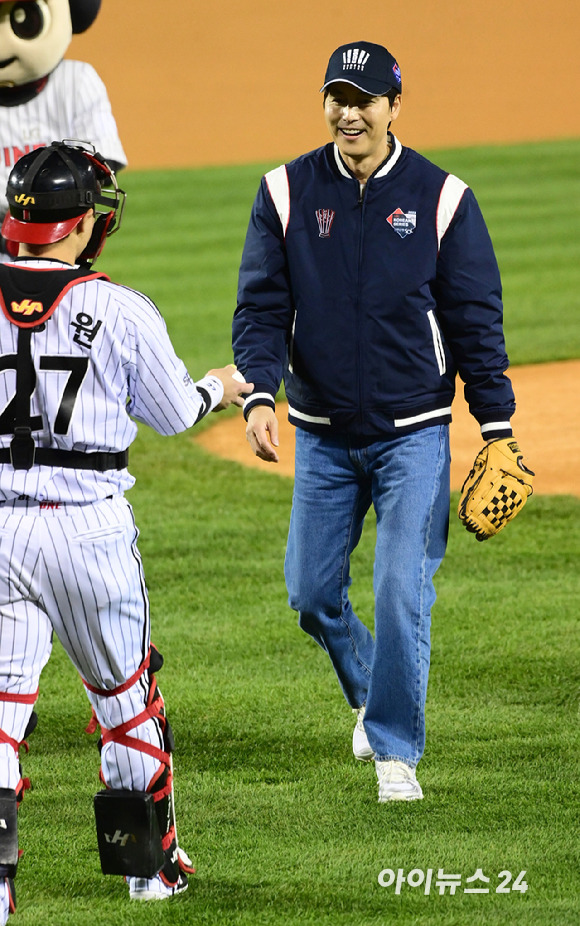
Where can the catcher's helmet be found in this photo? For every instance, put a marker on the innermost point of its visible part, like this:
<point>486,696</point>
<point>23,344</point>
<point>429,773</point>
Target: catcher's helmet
<point>50,189</point>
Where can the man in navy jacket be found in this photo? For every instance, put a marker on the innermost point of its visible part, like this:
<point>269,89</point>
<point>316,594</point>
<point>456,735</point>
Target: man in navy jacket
<point>368,281</point>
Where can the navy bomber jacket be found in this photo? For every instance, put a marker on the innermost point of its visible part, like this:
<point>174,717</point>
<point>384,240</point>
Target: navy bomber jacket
<point>369,304</point>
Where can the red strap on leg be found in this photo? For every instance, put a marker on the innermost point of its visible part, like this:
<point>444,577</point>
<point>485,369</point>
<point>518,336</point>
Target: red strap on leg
<point>19,698</point>
<point>4,738</point>
<point>16,699</point>
<point>93,723</point>
<point>11,896</point>
<point>119,734</point>
<point>111,692</point>
<point>167,787</point>
<point>168,838</point>
<point>23,785</point>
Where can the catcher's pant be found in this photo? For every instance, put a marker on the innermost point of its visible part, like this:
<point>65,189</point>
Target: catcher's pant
<point>407,482</point>
<point>75,570</point>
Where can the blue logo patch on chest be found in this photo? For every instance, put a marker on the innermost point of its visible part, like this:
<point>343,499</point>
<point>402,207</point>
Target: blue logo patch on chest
<point>404,223</point>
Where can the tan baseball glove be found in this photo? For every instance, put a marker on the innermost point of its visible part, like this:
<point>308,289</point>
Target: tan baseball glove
<point>496,489</point>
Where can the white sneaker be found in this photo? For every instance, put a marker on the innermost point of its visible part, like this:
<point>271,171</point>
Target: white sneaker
<point>360,745</point>
<point>397,782</point>
<point>155,888</point>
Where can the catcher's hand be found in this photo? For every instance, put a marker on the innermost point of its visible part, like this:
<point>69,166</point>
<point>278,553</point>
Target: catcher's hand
<point>495,490</point>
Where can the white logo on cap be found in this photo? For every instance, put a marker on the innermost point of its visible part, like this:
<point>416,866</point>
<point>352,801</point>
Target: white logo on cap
<point>354,59</point>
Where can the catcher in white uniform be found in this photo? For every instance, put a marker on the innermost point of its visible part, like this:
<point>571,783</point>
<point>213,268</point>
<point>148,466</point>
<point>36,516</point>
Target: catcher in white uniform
<point>43,96</point>
<point>80,358</point>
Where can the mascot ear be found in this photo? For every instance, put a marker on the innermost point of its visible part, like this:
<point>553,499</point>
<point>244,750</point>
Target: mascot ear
<point>83,14</point>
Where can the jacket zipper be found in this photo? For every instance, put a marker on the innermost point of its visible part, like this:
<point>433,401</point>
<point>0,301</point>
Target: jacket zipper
<point>360,367</point>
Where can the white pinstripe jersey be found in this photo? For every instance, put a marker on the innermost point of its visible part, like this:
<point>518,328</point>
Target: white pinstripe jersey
<point>74,104</point>
<point>132,372</point>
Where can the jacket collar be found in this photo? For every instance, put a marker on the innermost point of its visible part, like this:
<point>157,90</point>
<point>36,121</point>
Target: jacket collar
<point>381,171</point>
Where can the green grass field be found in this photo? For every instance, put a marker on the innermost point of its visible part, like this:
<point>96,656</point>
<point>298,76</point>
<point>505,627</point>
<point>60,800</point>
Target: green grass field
<point>284,826</point>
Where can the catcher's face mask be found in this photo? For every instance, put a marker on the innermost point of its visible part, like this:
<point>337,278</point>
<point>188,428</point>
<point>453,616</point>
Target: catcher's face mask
<point>50,189</point>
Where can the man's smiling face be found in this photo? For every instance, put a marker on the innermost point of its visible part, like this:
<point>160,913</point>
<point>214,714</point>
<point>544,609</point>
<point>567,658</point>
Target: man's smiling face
<point>358,122</point>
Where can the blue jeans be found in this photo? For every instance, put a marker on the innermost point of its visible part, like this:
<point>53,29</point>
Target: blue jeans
<point>407,482</point>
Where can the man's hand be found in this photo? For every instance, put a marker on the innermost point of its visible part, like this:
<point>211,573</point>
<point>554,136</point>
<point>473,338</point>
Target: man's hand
<point>262,432</point>
<point>235,389</point>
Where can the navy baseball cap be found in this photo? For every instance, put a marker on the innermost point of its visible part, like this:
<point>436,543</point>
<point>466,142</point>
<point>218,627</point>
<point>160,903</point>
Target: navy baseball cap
<point>367,66</point>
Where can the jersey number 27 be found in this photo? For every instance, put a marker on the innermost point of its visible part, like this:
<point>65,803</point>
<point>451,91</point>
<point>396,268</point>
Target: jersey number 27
<point>77,369</point>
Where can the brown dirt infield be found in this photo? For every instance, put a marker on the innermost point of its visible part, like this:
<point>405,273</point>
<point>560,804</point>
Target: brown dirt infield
<point>551,448</point>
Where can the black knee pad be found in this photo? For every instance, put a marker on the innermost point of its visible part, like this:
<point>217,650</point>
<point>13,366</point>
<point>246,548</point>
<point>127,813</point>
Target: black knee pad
<point>8,833</point>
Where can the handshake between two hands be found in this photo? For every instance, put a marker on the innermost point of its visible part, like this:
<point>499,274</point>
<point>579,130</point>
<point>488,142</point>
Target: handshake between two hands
<point>235,386</point>
<point>262,429</point>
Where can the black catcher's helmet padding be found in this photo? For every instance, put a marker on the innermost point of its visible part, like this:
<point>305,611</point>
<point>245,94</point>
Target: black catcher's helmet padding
<point>50,189</point>
<point>83,14</point>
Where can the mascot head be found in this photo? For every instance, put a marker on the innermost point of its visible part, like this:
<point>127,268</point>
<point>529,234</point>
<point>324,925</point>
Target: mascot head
<point>35,34</point>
